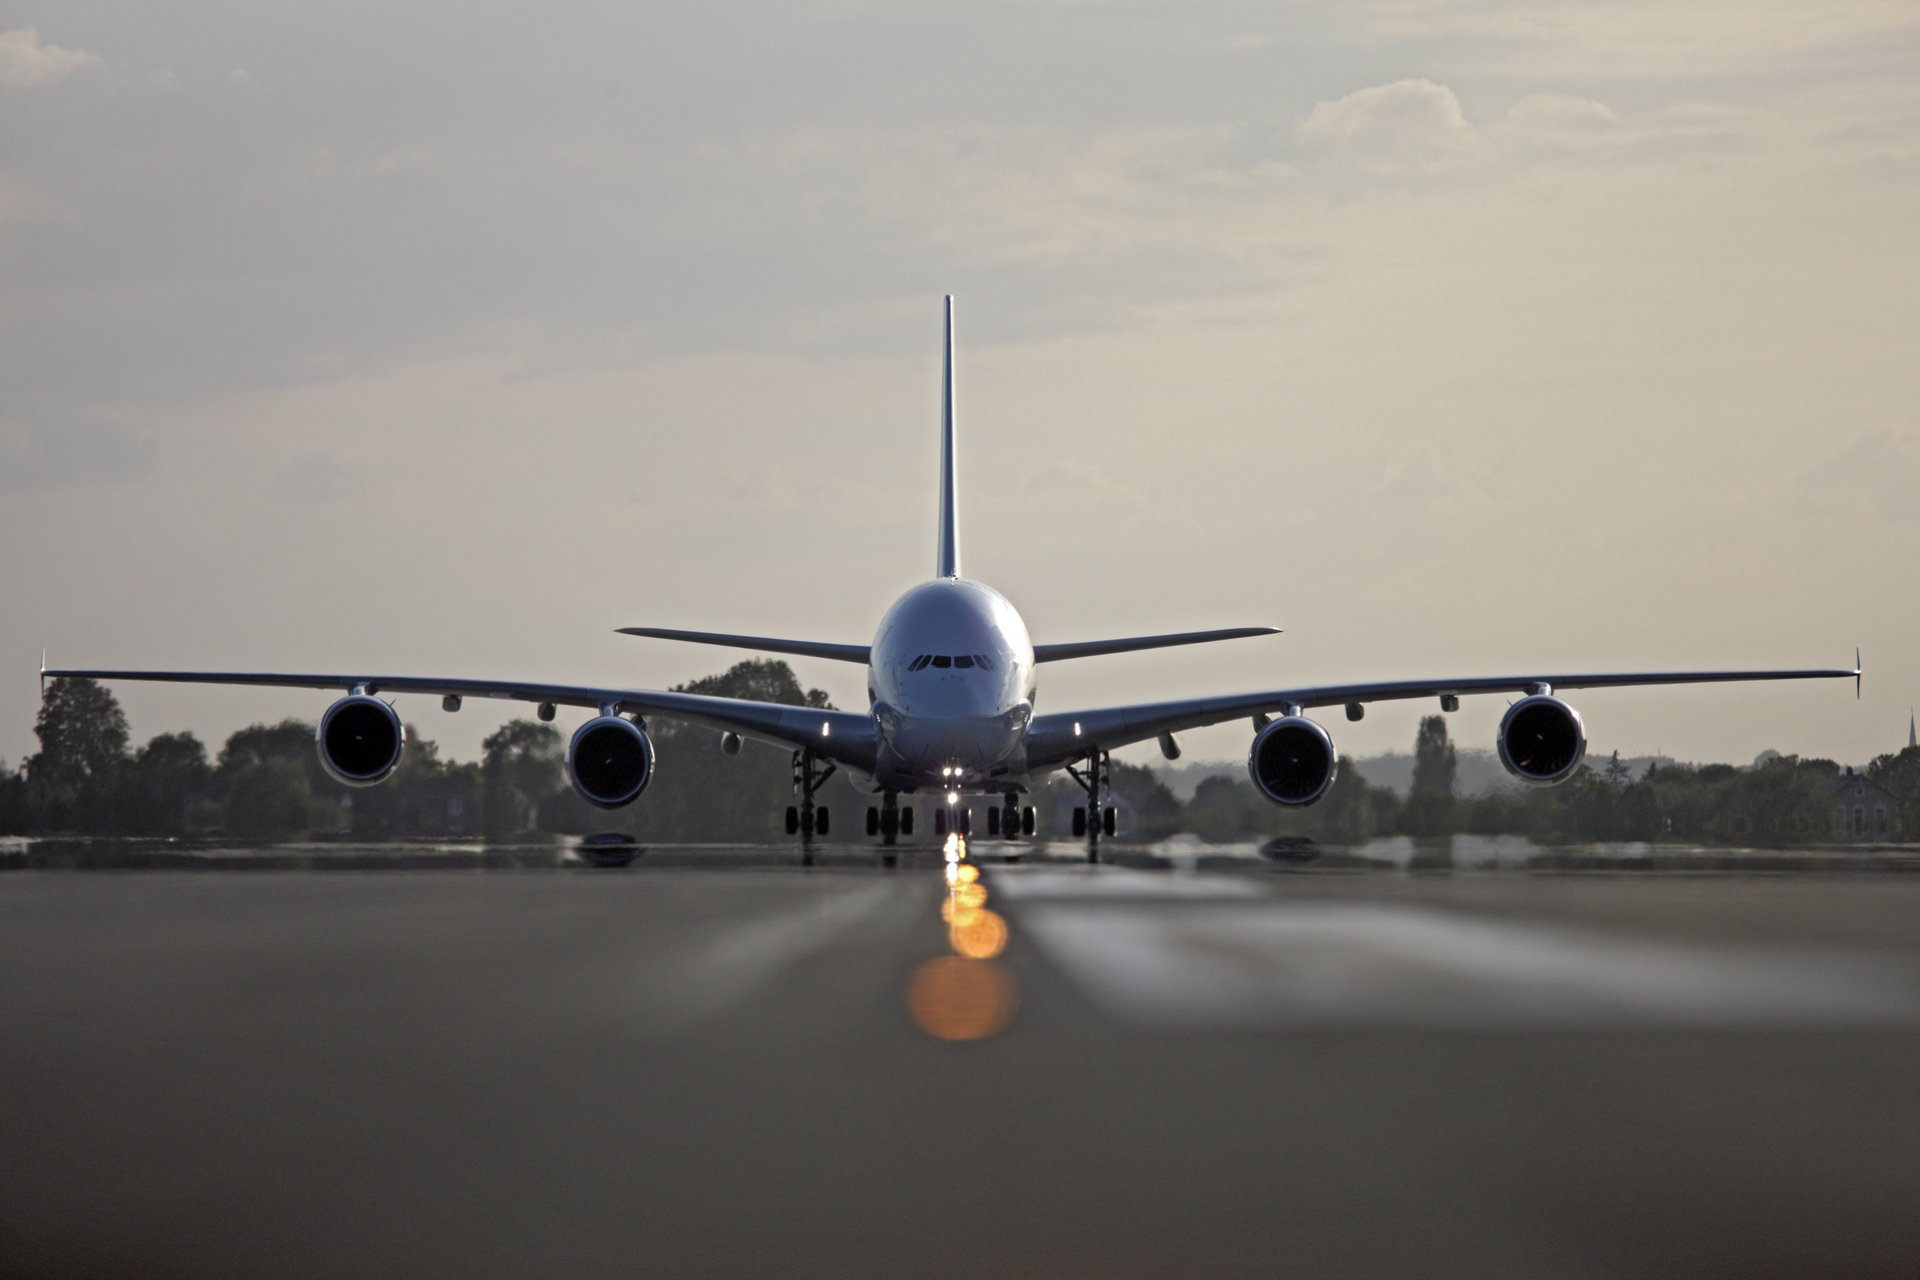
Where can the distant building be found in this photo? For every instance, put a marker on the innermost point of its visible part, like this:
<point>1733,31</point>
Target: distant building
<point>1862,812</point>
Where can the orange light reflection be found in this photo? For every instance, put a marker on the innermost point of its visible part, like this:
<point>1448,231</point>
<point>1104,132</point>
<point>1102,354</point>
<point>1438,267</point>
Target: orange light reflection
<point>978,935</point>
<point>951,998</point>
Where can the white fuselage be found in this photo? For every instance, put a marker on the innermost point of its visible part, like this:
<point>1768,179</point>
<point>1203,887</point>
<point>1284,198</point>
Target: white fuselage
<point>951,683</point>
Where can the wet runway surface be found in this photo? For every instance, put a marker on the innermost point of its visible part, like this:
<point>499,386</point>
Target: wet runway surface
<point>716,1063</point>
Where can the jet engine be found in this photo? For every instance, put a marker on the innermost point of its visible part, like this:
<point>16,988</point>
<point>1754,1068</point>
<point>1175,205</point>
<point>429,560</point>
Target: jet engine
<point>360,740</point>
<point>610,761</point>
<point>1542,740</point>
<point>1292,761</point>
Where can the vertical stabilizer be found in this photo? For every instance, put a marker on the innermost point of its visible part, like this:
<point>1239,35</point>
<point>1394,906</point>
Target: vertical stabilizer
<point>949,555</point>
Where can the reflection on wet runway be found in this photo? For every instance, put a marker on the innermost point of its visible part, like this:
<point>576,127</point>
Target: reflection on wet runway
<point>967,995</point>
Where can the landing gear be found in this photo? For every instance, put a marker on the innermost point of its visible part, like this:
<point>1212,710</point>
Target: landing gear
<point>889,821</point>
<point>808,819</point>
<point>956,818</point>
<point>1097,815</point>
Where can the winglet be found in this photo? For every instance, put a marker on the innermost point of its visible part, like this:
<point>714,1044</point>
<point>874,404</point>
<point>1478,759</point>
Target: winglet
<point>43,671</point>
<point>1856,673</point>
<point>948,565</point>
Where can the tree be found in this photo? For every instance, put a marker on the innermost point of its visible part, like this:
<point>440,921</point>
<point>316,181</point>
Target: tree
<point>760,680</point>
<point>1156,811</point>
<point>288,740</point>
<point>270,799</point>
<point>520,767</point>
<point>14,818</point>
<point>1430,805</point>
<point>82,732</point>
<point>83,744</point>
<point>1900,775</point>
<point>1224,808</point>
<point>166,775</point>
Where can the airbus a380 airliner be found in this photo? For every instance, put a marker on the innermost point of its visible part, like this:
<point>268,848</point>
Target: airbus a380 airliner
<point>951,679</point>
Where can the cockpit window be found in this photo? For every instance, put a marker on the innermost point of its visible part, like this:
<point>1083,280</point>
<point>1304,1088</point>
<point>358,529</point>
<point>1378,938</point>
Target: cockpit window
<point>947,661</point>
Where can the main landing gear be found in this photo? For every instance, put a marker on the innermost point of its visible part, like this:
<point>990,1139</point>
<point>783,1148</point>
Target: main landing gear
<point>807,819</point>
<point>889,821</point>
<point>1096,816</point>
<point>1010,820</point>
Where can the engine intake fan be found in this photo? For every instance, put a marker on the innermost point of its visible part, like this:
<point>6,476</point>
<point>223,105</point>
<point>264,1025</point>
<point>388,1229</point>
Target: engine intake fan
<point>360,740</point>
<point>1542,740</point>
<point>1292,761</point>
<point>610,761</point>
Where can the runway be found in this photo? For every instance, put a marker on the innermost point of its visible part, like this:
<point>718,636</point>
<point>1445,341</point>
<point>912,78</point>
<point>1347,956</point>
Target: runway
<point>715,1063</point>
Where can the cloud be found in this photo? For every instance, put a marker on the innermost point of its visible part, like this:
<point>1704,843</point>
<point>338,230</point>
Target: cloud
<point>1413,123</point>
<point>1879,471</point>
<point>70,454</point>
<point>1560,113</point>
<point>26,62</point>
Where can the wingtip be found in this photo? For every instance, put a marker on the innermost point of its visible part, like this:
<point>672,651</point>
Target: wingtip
<point>1857,669</point>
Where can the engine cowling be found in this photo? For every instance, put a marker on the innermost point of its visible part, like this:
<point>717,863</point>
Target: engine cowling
<point>610,761</point>
<point>360,740</point>
<point>1292,761</point>
<point>1542,740</point>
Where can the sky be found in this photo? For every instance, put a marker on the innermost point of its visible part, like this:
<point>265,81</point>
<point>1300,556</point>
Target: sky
<point>1454,337</point>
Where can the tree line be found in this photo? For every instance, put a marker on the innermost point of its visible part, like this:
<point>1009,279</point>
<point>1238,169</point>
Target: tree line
<point>267,784</point>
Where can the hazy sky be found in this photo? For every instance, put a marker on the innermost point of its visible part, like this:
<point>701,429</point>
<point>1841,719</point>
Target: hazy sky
<point>1453,337</point>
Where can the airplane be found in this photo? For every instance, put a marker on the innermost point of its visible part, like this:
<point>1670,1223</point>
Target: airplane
<point>951,684</point>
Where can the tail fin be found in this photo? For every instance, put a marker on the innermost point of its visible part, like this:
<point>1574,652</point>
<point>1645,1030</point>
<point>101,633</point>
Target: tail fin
<point>949,551</point>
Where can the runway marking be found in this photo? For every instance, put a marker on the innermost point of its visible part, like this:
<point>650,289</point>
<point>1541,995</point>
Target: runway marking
<point>669,992</point>
<point>1095,883</point>
<point>1332,964</point>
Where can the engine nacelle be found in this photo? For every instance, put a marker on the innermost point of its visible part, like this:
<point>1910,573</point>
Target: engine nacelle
<point>610,761</point>
<point>1292,761</point>
<point>1542,740</point>
<point>360,740</point>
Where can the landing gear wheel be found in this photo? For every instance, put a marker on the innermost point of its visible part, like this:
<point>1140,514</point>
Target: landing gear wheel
<point>820,820</point>
<point>993,822</point>
<point>1108,820</point>
<point>793,821</point>
<point>906,821</point>
<point>939,822</point>
<point>1079,821</point>
<point>873,820</point>
<point>1026,821</point>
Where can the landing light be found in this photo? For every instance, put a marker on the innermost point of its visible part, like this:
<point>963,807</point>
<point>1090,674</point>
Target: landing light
<point>953,797</point>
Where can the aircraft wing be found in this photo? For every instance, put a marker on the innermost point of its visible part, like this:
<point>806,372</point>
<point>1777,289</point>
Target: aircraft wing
<point>1132,644</point>
<point>1057,738</point>
<point>764,644</point>
<point>846,737</point>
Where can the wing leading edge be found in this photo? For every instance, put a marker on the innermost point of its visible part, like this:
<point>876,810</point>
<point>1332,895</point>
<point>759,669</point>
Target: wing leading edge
<point>764,644</point>
<point>845,737</point>
<point>1131,644</point>
<point>1060,737</point>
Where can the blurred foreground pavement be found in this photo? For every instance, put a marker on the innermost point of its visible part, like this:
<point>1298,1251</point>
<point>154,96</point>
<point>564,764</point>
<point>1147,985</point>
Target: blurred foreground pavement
<point>713,1063</point>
